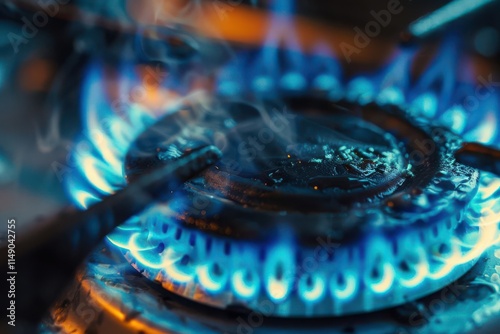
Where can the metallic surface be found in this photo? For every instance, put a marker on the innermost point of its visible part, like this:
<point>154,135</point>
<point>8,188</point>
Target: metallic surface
<point>111,297</point>
<point>48,254</point>
<point>480,156</point>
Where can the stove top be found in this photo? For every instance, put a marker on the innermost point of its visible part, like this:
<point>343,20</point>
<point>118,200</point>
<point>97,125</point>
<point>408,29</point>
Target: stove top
<point>301,176</point>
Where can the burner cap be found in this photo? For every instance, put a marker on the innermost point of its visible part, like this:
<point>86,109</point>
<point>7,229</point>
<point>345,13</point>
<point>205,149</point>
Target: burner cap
<point>337,164</point>
<point>307,163</point>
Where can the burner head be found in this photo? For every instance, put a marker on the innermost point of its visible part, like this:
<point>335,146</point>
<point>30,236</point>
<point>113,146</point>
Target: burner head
<point>329,162</point>
<point>307,163</point>
<point>382,187</point>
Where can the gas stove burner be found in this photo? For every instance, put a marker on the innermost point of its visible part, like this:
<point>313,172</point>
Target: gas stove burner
<point>275,164</point>
<point>318,209</point>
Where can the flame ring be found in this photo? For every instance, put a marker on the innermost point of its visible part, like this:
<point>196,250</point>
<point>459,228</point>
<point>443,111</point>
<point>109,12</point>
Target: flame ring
<point>407,249</point>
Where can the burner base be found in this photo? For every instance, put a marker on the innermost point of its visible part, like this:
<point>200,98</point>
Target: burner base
<point>111,297</point>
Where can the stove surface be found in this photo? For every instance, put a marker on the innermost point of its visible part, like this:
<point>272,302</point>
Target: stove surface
<point>328,169</point>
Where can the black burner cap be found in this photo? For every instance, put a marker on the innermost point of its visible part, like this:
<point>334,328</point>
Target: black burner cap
<point>338,167</point>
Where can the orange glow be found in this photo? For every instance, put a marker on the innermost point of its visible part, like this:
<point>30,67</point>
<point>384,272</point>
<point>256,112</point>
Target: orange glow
<point>134,324</point>
<point>155,99</point>
<point>148,92</point>
<point>238,25</point>
<point>244,25</point>
<point>36,74</point>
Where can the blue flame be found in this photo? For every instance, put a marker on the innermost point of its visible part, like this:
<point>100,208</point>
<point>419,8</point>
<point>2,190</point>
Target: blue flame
<point>156,244</point>
<point>444,15</point>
